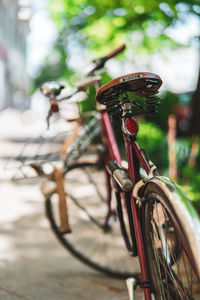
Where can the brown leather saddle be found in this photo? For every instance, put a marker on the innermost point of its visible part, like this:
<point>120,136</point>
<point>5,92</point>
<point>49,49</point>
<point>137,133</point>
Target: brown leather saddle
<point>141,84</point>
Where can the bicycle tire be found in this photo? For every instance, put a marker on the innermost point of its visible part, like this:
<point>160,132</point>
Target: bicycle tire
<point>102,250</point>
<point>166,244</point>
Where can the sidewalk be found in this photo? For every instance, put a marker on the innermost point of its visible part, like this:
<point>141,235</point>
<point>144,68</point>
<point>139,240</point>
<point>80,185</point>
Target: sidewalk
<point>33,265</point>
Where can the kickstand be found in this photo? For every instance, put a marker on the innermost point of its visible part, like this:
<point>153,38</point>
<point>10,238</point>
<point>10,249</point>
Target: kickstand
<point>131,282</point>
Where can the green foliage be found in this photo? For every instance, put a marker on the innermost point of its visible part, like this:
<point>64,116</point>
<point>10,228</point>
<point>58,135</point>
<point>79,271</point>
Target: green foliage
<point>189,176</point>
<point>153,139</point>
<point>105,78</point>
<point>102,25</point>
<point>167,103</point>
<point>190,184</point>
<point>88,104</point>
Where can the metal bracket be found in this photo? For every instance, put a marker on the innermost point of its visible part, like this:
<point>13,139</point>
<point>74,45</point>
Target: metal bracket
<point>137,187</point>
<point>153,169</point>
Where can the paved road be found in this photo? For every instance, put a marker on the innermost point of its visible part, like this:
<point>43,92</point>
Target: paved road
<point>33,265</point>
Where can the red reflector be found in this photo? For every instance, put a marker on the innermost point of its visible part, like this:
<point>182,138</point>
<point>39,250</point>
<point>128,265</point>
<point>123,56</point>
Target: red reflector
<point>131,126</point>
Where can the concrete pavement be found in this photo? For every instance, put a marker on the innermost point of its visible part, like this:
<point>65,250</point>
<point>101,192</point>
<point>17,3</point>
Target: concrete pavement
<point>33,265</point>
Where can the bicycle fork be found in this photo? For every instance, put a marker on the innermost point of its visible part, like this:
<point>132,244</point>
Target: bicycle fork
<point>58,187</point>
<point>62,203</point>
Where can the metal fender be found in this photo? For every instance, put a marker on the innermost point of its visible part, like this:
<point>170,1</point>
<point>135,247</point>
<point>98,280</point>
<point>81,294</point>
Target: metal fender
<point>185,212</point>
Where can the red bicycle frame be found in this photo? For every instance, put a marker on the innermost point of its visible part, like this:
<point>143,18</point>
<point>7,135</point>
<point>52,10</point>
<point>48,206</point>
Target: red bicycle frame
<point>109,138</point>
<point>135,157</point>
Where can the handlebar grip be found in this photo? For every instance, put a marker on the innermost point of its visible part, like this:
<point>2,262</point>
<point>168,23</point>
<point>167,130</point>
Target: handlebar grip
<point>54,105</point>
<point>115,52</point>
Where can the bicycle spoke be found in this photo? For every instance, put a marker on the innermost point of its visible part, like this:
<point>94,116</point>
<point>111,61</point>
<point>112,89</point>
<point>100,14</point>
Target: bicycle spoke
<point>170,262</point>
<point>96,222</point>
<point>89,240</point>
<point>95,186</point>
<point>163,244</point>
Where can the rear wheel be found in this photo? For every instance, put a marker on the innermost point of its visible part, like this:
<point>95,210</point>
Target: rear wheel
<point>94,239</point>
<point>169,259</point>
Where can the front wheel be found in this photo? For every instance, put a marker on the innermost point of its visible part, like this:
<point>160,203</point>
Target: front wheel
<point>95,236</point>
<point>170,263</point>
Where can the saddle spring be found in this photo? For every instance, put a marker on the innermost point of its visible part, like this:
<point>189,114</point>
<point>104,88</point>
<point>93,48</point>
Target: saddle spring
<point>114,109</point>
<point>152,102</point>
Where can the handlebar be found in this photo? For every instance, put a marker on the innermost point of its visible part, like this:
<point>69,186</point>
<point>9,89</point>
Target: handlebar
<point>100,62</point>
<point>52,91</point>
<point>115,52</point>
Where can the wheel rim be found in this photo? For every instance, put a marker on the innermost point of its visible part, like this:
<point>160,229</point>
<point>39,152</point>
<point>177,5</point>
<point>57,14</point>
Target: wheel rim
<point>101,248</point>
<point>173,276</point>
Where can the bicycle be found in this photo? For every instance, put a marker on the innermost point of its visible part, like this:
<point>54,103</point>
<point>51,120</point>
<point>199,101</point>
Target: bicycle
<point>137,199</point>
<point>72,216</point>
<point>163,228</point>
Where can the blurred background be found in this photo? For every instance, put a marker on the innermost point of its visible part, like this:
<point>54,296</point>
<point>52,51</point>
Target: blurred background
<point>44,40</point>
